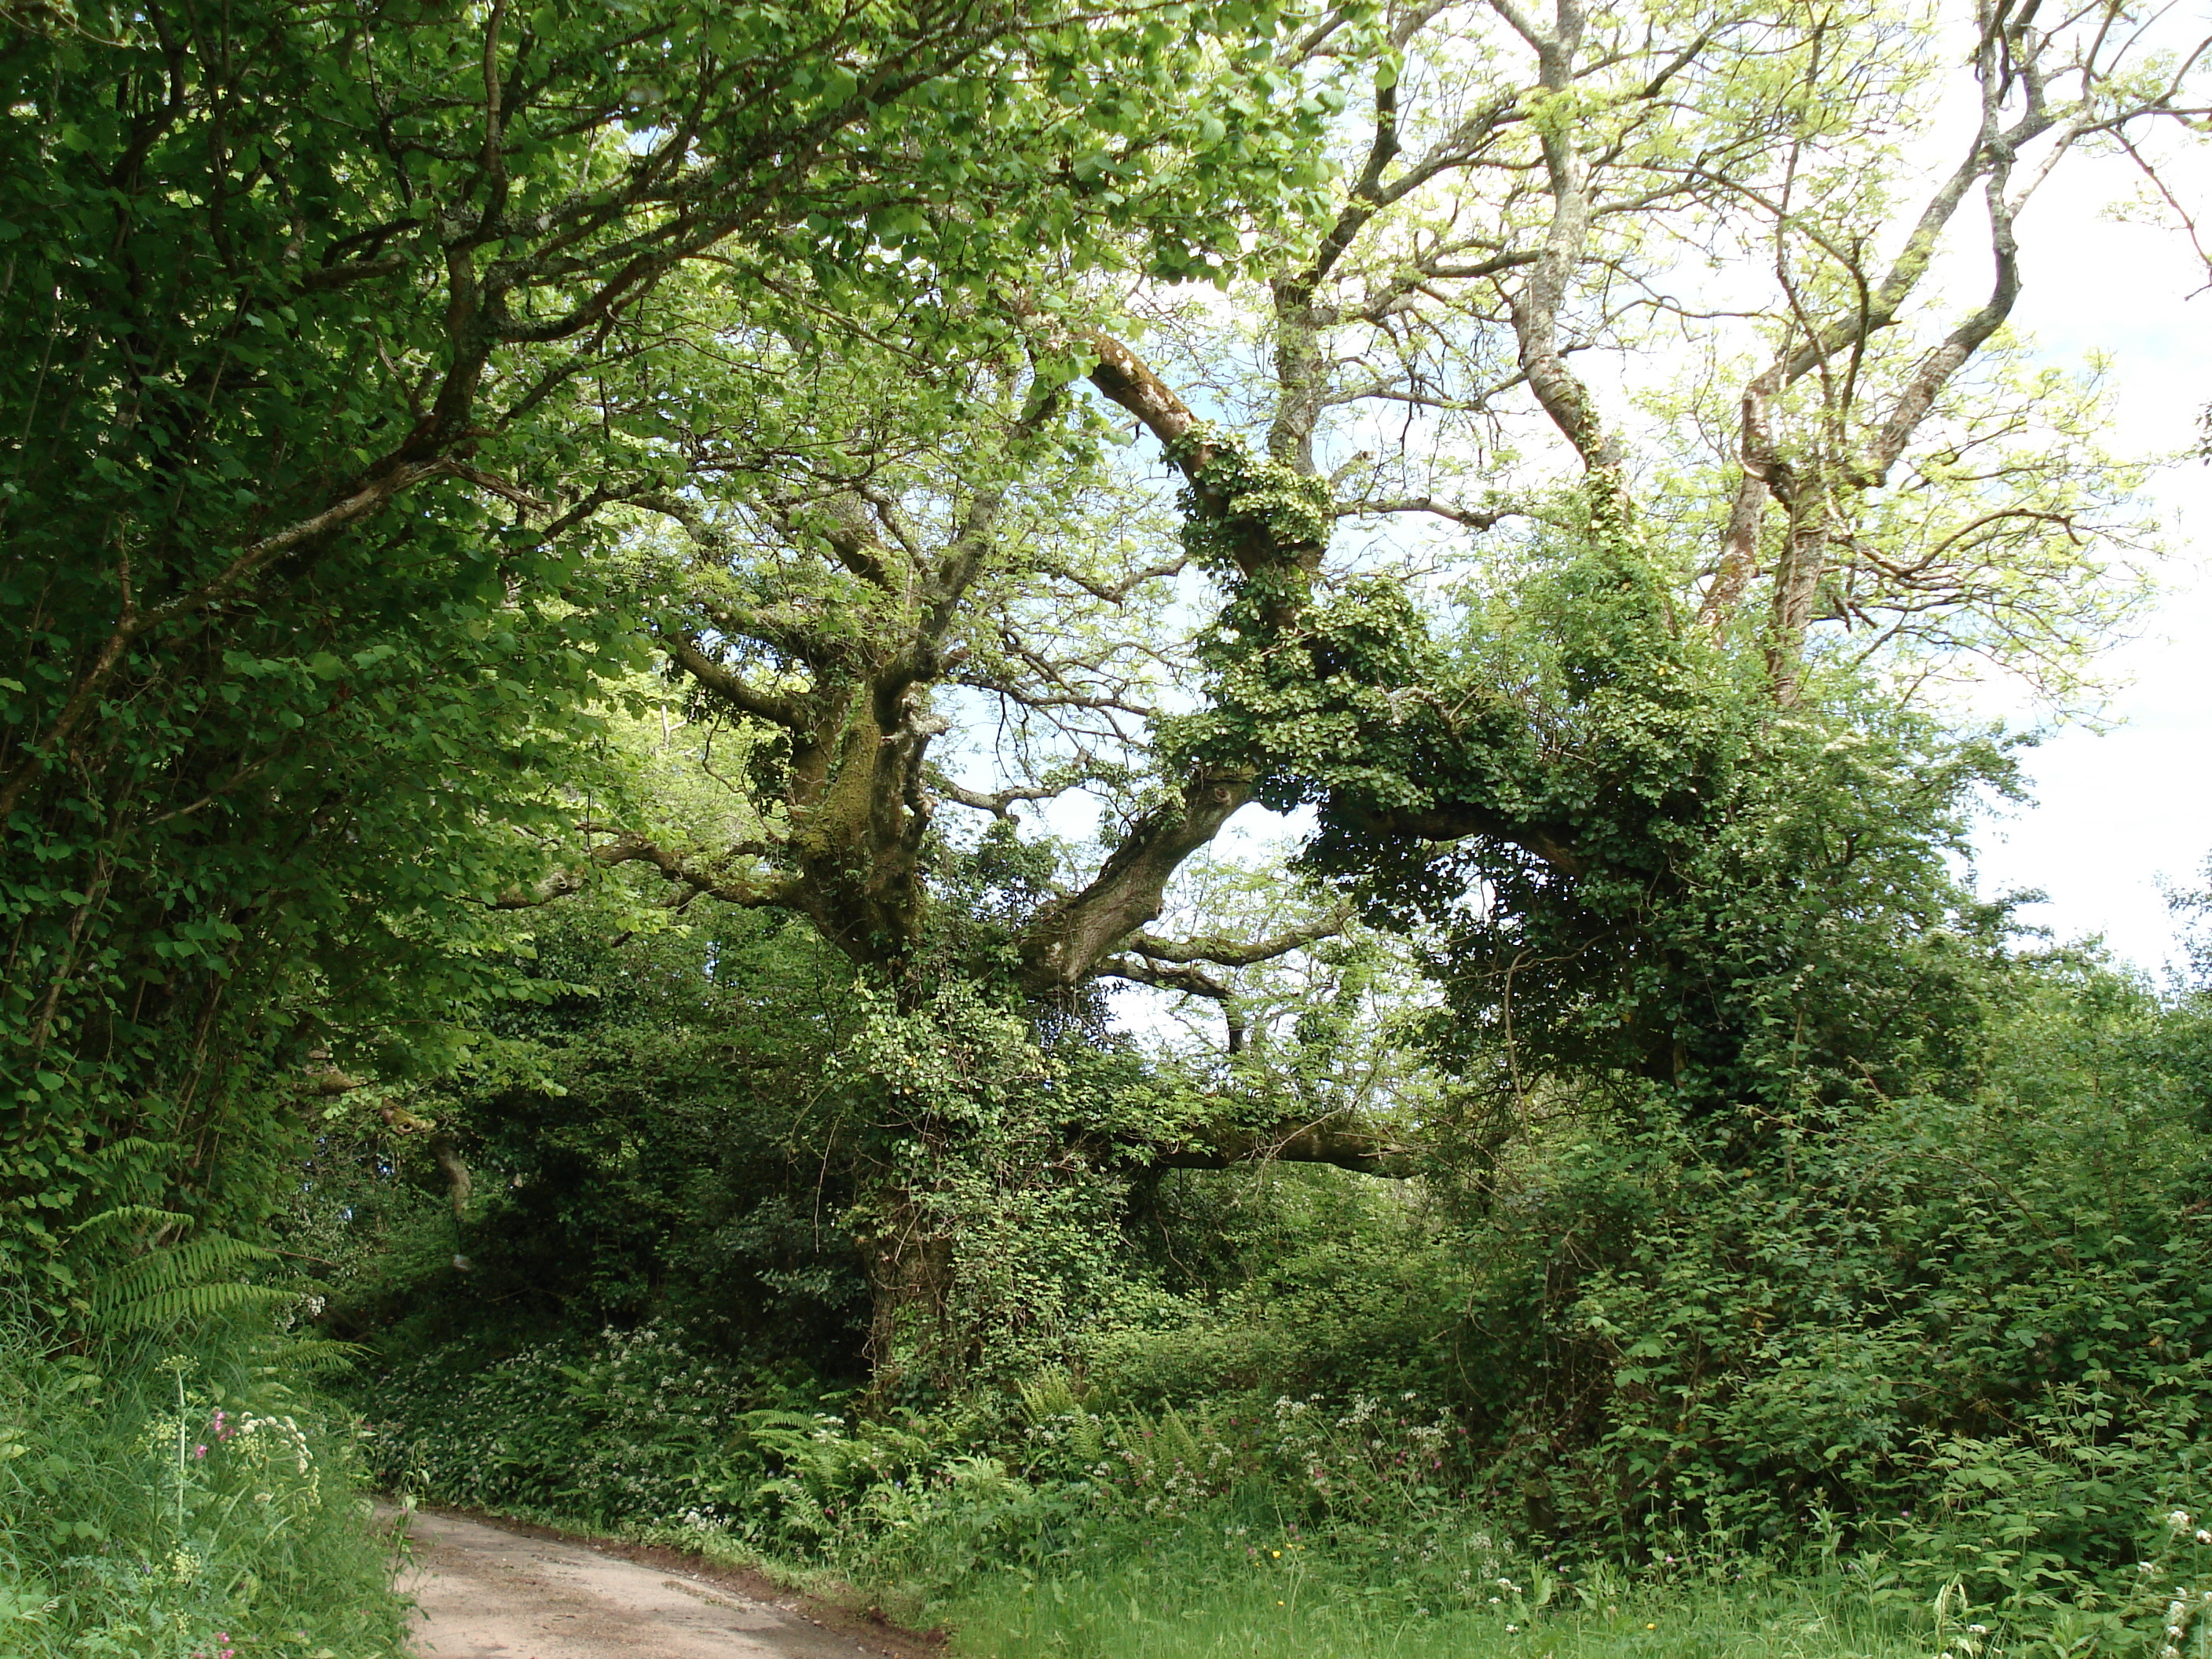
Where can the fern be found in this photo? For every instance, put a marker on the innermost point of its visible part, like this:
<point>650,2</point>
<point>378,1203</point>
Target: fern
<point>1050,1394</point>
<point>1087,1435</point>
<point>1175,1437</point>
<point>126,1214</point>
<point>316,1353</point>
<point>1052,1398</point>
<point>191,1301</point>
<point>192,1280</point>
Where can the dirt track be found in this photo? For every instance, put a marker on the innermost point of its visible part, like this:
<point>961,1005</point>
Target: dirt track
<point>487,1593</point>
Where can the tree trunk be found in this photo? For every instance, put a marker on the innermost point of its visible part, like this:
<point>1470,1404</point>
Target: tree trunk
<point>910,1265</point>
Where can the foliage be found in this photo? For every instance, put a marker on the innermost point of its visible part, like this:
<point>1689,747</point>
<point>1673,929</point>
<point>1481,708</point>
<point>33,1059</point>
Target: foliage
<point>181,947</point>
<point>1303,1282</point>
<point>1621,859</point>
<point>837,598</point>
<point>161,1498</point>
<point>1985,1314</point>
<point>697,1126</point>
<point>1236,1580</point>
<point>1961,1336</point>
<point>1066,1517</point>
<point>627,1131</point>
<point>339,329</point>
<point>396,386</point>
<point>640,1429</point>
<point>631,1426</point>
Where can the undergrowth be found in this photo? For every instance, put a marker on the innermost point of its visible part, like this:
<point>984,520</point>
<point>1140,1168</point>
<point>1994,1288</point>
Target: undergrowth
<point>1238,1577</point>
<point>170,1499</point>
<point>1056,1522</point>
<point>1236,1580</point>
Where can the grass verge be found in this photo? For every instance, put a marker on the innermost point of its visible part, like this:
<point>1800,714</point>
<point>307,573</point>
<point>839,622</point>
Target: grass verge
<point>179,1499</point>
<point>1213,1585</point>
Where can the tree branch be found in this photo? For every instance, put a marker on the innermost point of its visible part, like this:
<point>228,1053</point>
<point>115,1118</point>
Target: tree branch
<point>1067,938</point>
<point>1117,592</point>
<point>1191,981</point>
<point>1471,518</point>
<point>998,803</point>
<point>730,686</point>
<point>1334,1140</point>
<point>778,889</point>
<point>1233,953</point>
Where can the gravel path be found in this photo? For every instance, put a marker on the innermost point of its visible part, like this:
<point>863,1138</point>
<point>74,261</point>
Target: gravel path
<point>486,1593</point>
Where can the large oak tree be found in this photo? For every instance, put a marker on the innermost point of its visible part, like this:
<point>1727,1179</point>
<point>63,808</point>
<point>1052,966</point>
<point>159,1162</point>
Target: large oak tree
<point>900,543</point>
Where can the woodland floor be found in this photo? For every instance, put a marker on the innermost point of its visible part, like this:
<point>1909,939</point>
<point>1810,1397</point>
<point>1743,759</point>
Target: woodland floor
<point>507,1591</point>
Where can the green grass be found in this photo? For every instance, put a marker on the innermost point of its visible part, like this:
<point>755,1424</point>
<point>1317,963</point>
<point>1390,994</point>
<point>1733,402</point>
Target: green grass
<point>136,1521</point>
<point>1127,1614</point>
<point>1214,1585</point>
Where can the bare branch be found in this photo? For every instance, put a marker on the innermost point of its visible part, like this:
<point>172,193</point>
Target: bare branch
<point>1471,518</point>
<point>1117,592</point>
<point>1042,700</point>
<point>1191,981</point>
<point>998,803</point>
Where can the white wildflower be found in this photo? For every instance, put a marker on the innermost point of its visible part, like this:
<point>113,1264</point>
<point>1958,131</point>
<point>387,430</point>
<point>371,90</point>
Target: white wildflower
<point>2178,1520</point>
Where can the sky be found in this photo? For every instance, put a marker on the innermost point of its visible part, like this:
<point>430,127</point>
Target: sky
<point>2115,814</point>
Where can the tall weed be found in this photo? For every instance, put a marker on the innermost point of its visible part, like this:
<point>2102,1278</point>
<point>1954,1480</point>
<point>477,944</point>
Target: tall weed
<point>172,1499</point>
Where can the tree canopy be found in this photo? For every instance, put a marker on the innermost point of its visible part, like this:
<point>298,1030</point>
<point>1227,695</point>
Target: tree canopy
<point>999,738</point>
<point>411,385</point>
<point>351,321</point>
